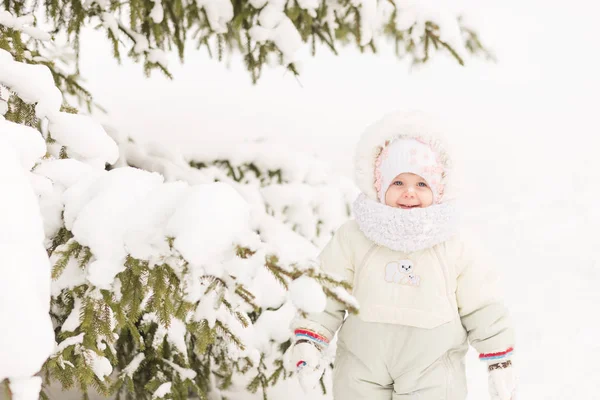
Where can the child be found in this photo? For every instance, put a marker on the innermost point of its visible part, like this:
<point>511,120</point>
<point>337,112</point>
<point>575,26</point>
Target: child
<point>422,295</point>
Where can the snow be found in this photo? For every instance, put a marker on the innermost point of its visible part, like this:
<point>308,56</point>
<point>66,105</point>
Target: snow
<point>71,277</point>
<point>275,26</point>
<point>72,322</point>
<point>130,369</point>
<point>310,199</point>
<point>218,12</point>
<point>33,83</point>
<point>287,245</point>
<point>102,272</point>
<point>158,56</point>
<point>64,172</point>
<point>306,206</point>
<point>307,295</point>
<point>438,12</point>
<point>22,24</point>
<point>368,20</point>
<point>145,235</point>
<point>110,22</point>
<point>271,15</point>
<point>26,337</point>
<point>273,325</point>
<point>141,44</point>
<point>52,177</point>
<point>245,269</point>
<point>28,143</point>
<point>303,166</point>
<point>25,388</point>
<point>258,3</point>
<point>287,39</point>
<point>268,291</point>
<point>176,335</point>
<point>100,365</point>
<point>406,18</point>
<point>71,341</point>
<point>259,34</point>
<point>95,145</point>
<point>309,5</point>
<point>206,309</point>
<point>157,14</point>
<point>97,213</point>
<point>184,373</point>
<point>208,222</point>
<point>278,28</point>
<point>162,391</point>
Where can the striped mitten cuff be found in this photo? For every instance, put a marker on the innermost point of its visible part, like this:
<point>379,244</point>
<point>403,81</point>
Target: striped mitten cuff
<point>498,360</point>
<point>316,338</point>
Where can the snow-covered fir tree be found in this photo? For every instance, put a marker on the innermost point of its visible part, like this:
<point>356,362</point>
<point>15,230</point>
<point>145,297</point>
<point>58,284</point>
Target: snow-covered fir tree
<point>158,288</point>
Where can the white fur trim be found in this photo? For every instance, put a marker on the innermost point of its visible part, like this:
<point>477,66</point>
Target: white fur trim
<point>393,126</point>
<point>405,230</point>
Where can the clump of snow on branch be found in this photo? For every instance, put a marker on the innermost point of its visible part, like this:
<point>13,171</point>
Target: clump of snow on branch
<point>275,26</point>
<point>299,190</point>
<point>26,337</point>
<point>23,24</point>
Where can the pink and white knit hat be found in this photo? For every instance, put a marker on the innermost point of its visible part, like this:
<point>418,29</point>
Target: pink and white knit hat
<point>408,155</point>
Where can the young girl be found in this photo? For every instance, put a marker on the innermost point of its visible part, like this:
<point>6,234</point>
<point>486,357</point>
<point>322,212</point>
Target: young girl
<point>423,295</point>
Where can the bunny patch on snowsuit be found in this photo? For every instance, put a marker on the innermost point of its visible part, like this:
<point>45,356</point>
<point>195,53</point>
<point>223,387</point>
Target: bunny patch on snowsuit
<point>424,295</point>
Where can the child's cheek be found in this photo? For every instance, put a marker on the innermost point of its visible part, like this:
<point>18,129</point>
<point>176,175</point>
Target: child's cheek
<point>391,195</point>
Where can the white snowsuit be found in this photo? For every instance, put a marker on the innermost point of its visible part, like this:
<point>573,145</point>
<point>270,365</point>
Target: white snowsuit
<point>419,309</point>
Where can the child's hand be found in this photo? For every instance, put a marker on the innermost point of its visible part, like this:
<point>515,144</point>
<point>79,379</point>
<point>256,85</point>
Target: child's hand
<point>306,360</point>
<point>305,354</point>
<point>309,378</point>
<point>502,381</point>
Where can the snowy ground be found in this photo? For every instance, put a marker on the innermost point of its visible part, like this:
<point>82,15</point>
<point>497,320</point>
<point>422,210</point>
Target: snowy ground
<point>528,142</point>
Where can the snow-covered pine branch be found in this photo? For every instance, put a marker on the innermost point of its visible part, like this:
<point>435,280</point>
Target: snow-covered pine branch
<point>173,271</point>
<point>265,32</point>
<point>293,187</point>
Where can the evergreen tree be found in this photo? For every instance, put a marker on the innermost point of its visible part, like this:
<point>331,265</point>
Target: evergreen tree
<point>138,310</point>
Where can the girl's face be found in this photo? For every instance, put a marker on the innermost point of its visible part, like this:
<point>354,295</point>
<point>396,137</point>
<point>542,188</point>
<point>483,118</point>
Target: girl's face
<point>409,191</point>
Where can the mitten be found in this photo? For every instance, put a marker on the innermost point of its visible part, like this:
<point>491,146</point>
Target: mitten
<point>502,381</point>
<point>307,355</point>
<point>307,360</point>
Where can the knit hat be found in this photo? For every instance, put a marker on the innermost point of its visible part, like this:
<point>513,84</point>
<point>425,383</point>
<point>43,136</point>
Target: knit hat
<point>408,155</point>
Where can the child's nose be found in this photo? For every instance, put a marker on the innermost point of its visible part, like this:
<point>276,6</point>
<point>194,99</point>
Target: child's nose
<point>409,193</point>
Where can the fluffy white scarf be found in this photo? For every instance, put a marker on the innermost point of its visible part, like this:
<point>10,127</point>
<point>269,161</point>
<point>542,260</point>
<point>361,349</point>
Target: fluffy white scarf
<point>405,230</point>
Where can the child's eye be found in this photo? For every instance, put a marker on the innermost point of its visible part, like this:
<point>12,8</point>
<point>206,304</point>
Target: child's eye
<point>422,184</point>
<point>398,183</point>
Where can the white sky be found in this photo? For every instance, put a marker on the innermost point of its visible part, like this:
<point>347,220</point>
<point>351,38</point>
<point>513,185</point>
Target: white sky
<point>544,87</point>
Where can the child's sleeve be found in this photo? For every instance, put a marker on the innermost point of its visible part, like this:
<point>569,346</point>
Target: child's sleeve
<point>481,308</point>
<point>335,259</point>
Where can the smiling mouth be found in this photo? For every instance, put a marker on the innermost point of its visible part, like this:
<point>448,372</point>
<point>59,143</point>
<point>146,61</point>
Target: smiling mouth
<point>402,206</point>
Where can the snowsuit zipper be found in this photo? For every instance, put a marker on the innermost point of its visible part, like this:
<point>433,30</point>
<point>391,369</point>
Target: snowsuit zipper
<point>362,263</point>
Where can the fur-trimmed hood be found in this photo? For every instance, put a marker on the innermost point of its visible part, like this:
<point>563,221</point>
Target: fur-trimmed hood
<point>412,124</point>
